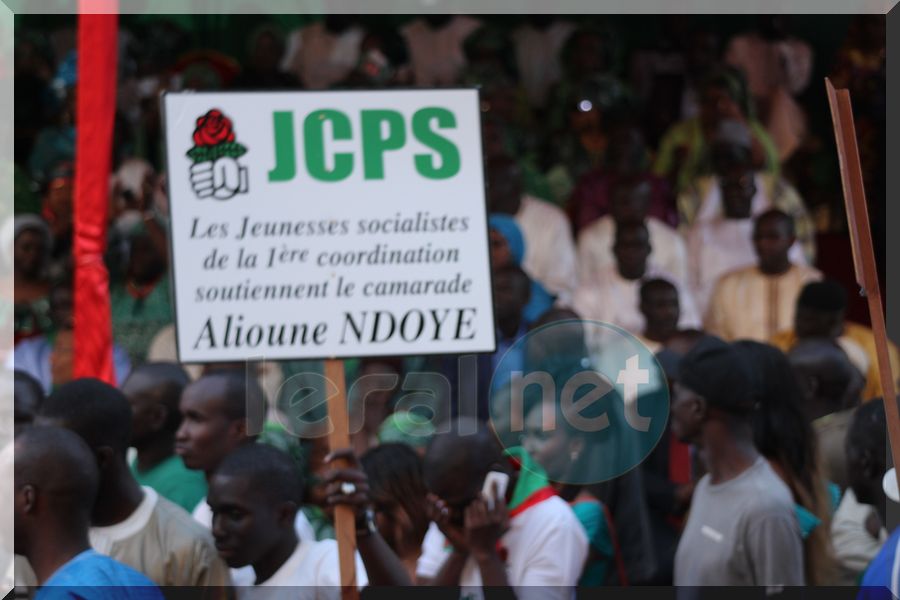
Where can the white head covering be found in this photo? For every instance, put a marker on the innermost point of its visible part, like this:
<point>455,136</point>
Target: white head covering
<point>13,226</point>
<point>889,483</point>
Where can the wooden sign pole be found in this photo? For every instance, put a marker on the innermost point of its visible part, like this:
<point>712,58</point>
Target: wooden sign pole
<point>863,252</point>
<point>344,519</point>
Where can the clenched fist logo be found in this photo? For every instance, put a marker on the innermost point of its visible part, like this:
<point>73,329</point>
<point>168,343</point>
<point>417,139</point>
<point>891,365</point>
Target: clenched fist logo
<point>221,178</point>
<point>216,172</point>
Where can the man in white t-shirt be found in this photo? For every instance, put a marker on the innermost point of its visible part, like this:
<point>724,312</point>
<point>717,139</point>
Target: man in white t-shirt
<point>255,495</point>
<point>529,540</point>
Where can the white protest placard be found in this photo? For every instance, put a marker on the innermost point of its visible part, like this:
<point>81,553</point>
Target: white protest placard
<point>327,224</point>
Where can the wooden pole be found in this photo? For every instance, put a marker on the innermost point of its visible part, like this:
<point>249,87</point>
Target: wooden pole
<point>344,519</point>
<point>863,252</point>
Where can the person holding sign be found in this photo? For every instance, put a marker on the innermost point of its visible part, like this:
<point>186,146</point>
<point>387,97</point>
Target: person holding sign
<point>255,495</point>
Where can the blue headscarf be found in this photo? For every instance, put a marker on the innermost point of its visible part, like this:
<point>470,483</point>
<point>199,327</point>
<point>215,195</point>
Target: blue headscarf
<point>506,226</point>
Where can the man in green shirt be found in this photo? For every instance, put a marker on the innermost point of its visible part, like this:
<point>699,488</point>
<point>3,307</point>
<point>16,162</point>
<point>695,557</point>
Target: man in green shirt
<point>154,390</point>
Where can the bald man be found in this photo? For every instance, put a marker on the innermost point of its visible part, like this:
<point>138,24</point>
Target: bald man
<point>154,390</point>
<point>56,482</point>
<point>130,523</point>
<point>543,542</point>
<point>831,388</point>
<point>28,396</point>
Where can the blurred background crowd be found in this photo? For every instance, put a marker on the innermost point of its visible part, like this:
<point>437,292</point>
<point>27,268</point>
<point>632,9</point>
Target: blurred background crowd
<point>673,175</point>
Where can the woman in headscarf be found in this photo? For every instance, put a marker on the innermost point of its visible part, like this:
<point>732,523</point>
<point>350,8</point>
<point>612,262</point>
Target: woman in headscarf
<point>29,237</point>
<point>508,248</point>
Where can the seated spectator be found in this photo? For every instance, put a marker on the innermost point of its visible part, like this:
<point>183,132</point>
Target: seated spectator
<point>538,43</point>
<point>473,383</point>
<point>31,248</point>
<point>829,386</point>
<point>756,302</point>
<point>399,500</point>
<point>141,304</point>
<point>130,523</point>
<point>549,248</point>
<point>629,203</point>
<point>777,67</point>
<point>783,435</point>
<point>731,156</point>
<point>263,71</point>
<point>588,60</point>
<point>508,249</point>
<point>661,310</point>
<point>667,77</point>
<point>582,145</point>
<point>627,158</point>
<point>154,390</point>
<point>56,483</point>
<point>684,151</point>
<point>539,554</point>
<point>720,237</point>
<point>28,397</point>
<point>57,208</point>
<point>55,143</point>
<point>741,529</point>
<point>49,357</point>
<point>324,52</point>
<point>866,452</point>
<point>821,310</point>
<point>435,45</point>
<point>614,294</point>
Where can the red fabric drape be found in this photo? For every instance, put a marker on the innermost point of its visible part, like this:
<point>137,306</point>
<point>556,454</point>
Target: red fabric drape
<point>96,104</point>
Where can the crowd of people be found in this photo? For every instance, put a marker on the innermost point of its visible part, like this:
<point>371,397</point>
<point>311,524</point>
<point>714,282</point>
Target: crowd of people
<point>673,191</point>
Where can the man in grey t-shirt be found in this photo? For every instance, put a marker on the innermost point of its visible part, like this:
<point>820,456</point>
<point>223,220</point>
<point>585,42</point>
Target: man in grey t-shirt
<point>741,529</point>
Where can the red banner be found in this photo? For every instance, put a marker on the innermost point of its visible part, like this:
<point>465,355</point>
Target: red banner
<point>96,105</point>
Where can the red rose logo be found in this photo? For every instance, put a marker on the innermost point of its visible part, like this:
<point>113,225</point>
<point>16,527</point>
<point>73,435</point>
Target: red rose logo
<point>213,128</point>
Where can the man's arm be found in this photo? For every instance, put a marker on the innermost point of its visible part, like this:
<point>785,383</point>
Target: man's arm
<point>382,565</point>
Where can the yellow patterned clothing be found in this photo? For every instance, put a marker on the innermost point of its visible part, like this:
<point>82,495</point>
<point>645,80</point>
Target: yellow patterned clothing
<point>750,305</point>
<point>687,138</point>
<point>700,200</point>
<point>861,337</point>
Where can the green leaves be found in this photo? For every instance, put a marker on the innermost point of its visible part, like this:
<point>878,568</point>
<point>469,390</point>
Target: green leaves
<point>200,154</point>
